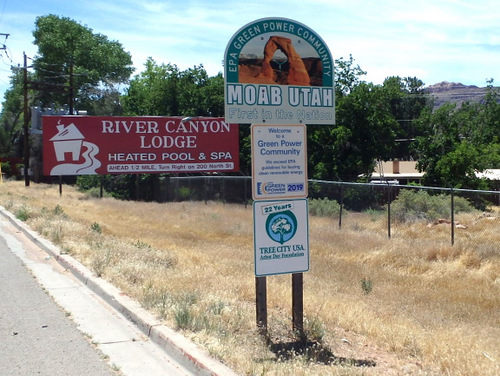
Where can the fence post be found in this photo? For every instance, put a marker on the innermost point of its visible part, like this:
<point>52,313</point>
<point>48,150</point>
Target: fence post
<point>341,204</point>
<point>223,191</point>
<point>245,190</point>
<point>101,186</point>
<point>452,217</point>
<point>388,210</point>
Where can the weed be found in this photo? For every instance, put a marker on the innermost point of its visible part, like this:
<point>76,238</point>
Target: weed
<point>8,205</point>
<point>23,213</point>
<point>115,367</point>
<point>58,210</point>
<point>65,250</point>
<point>217,307</point>
<point>96,227</point>
<point>100,262</point>
<point>57,233</point>
<point>436,302</point>
<point>366,285</point>
<point>156,299</point>
<point>314,329</point>
<point>183,317</point>
<point>94,192</point>
<point>141,245</point>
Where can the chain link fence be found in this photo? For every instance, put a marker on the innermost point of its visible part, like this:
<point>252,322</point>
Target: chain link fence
<point>395,209</point>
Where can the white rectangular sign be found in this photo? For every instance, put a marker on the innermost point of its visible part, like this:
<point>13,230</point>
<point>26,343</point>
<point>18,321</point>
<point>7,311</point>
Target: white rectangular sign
<point>279,104</point>
<point>281,237</point>
<point>279,162</point>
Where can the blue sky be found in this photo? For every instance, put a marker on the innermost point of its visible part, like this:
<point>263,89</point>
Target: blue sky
<point>434,40</point>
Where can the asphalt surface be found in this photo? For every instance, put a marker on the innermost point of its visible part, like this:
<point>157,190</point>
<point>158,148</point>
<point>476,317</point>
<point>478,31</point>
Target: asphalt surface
<point>57,319</point>
<point>36,337</point>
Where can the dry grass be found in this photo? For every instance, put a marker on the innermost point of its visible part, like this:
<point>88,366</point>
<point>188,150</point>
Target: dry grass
<point>431,308</point>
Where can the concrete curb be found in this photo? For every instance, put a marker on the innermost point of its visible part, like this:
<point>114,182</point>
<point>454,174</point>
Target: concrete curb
<point>184,350</point>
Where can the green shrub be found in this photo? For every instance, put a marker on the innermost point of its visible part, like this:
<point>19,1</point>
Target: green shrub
<point>366,285</point>
<point>87,182</point>
<point>96,227</point>
<point>361,198</point>
<point>6,169</point>
<point>23,213</point>
<point>58,210</point>
<point>324,208</point>
<point>411,206</point>
<point>92,185</point>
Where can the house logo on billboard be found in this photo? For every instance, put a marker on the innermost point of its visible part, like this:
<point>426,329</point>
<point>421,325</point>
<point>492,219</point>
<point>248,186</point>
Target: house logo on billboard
<point>70,146</point>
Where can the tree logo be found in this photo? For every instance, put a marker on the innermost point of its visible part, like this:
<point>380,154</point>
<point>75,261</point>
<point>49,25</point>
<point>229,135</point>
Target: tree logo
<point>282,226</point>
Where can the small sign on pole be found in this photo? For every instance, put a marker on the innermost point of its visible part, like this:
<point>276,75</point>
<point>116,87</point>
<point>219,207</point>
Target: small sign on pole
<point>281,237</point>
<point>279,161</point>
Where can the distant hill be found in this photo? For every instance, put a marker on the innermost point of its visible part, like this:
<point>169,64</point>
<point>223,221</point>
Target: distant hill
<point>455,92</point>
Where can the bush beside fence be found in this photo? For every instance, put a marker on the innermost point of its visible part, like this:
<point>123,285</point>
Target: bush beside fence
<point>399,206</point>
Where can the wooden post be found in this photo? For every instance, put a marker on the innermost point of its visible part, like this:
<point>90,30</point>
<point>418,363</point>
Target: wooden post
<point>25,125</point>
<point>261,304</point>
<point>298,303</point>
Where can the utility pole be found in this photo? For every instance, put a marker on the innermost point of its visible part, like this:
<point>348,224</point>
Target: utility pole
<point>26,120</point>
<point>42,86</point>
<point>70,88</point>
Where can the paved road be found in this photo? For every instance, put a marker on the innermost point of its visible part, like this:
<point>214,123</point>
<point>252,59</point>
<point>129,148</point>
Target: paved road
<point>51,324</point>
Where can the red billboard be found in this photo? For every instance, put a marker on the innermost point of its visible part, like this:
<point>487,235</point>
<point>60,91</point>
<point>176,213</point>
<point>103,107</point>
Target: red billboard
<point>89,145</point>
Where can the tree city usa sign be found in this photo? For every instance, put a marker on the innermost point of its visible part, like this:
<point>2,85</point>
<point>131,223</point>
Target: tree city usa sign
<point>281,238</point>
<point>87,145</point>
<point>278,71</point>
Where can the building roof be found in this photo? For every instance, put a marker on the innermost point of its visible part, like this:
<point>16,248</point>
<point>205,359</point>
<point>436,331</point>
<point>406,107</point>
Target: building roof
<point>389,170</point>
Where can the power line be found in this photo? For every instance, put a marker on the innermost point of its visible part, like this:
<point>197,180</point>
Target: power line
<point>4,48</point>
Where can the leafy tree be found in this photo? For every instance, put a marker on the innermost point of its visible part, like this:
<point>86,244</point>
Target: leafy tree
<point>69,51</point>
<point>407,99</point>
<point>69,55</point>
<point>101,101</point>
<point>201,95</point>
<point>370,118</point>
<point>12,117</point>
<point>154,91</point>
<point>458,141</point>
<point>441,135</point>
<point>164,90</point>
<point>365,131</point>
<point>347,76</point>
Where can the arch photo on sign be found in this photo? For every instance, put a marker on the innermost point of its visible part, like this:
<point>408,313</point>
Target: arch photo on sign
<point>278,71</point>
